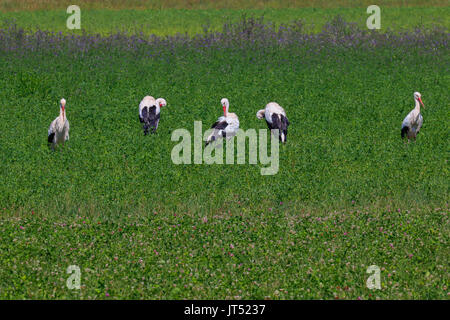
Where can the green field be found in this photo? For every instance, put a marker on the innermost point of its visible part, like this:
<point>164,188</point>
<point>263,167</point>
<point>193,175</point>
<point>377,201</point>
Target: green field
<point>349,193</point>
<point>172,21</point>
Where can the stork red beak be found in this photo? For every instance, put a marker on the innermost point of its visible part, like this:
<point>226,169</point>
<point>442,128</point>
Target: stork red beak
<point>224,110</point>
<point>420,100</point>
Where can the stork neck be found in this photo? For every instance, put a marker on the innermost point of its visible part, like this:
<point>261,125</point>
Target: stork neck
<point>417,105</point>
<point>62,114</point>
<point>225,113</point>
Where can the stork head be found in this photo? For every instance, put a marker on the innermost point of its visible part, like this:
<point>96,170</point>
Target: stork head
<point>260,114</point>
<point>225,105</point>
<point>161,102</point>
<point>418,97</point>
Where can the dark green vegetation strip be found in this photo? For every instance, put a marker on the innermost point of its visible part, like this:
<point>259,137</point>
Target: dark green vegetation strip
<point>349,192</point>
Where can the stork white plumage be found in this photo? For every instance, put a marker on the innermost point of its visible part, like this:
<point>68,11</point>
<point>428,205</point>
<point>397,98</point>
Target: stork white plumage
<point>275,118</point>
<point>226,126</point>
<point>413,121</point>
<point>149,112</point>
<point>59,128</point>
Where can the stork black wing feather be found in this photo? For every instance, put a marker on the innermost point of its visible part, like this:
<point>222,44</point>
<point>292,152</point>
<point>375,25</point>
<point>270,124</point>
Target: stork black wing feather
<point>154,119</point>
<point>152,113</point>
<point>276,123</point>
<point>284,125</point>
<point>51,137</point>
<point>145,119</point>
<point>219,125</point>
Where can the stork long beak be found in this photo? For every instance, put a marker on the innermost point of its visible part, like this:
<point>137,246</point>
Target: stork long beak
<point>224,110</point>
<point>420,100</point>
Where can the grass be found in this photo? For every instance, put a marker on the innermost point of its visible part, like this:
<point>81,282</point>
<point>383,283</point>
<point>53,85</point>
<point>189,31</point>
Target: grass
<point>349,193</point>
<point>172,21</point>
<point>247,253</point>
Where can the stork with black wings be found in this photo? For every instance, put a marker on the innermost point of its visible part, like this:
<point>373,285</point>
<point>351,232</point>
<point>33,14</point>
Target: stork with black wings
<point>226,126</point>
<point>275,117</point>
<point>149,113</point>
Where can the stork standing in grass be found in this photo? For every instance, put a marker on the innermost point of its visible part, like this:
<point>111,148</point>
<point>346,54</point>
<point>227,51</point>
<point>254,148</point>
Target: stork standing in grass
<point>149,112</point>
<point>226,126</point>
<point>59,128</point>
<point>413,122</point>
<point>275,118</point>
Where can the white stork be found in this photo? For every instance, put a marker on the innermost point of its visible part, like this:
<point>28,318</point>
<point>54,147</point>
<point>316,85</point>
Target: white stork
<point>59,128</point>
<point>226,126</point>
<point>275,118</point>
<point>413,121</point>
<point>149,112</point>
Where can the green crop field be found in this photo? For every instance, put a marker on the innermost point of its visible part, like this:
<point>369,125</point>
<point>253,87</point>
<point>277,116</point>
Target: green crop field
<point>349,192</point>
